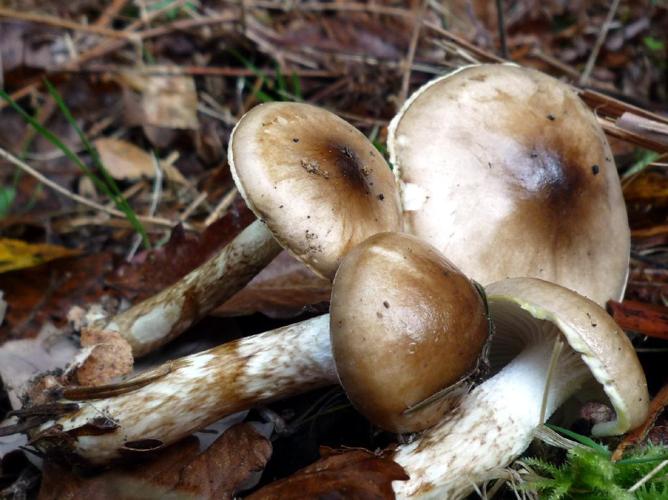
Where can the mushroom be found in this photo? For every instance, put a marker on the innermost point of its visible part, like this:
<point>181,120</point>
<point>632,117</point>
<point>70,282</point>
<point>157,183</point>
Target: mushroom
<point>495,422</point>
<point>317,186</point>
<point>420,335</point>
<point>407,302</point>
<point>507,172</point>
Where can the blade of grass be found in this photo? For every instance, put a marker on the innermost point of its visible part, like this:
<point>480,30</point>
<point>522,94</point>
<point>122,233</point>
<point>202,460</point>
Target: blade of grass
<point>297,87</point>
<point>112,190</point>
<point>584,440</point>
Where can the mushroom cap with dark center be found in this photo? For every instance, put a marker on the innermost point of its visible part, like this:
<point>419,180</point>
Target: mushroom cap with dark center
<point>507,172</point>
<point>314,179</point>
<point>405,324</point>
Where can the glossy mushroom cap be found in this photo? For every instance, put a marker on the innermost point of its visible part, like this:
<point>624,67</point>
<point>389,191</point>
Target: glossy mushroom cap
<point>506,171</point>
<point>405,324</point>
<point>315,180</point>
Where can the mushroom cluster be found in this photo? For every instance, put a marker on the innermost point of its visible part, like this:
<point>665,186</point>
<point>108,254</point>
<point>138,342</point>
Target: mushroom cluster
<point>425,321</point>
<point>505,172</point>
<point>317,186</point>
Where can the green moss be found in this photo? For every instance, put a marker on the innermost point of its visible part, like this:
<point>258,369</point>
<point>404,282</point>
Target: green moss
<point>589,474</point>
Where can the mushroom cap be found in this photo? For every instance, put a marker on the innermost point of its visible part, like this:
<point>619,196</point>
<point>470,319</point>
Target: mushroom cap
<point>507,172</point>
<point>314,179</point>
<point>405,324</point>
<point>590,331</point>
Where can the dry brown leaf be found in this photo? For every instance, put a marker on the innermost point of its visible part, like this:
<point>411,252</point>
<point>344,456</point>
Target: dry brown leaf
<point>170,102</point>
<point>109,356</point>
<point>648,186</point>
<point>281,290</point>
<point>347,474</point>
<point>178,472</point>
<point>639,317</point>
<point>47,292</point>
<point>125,161</point>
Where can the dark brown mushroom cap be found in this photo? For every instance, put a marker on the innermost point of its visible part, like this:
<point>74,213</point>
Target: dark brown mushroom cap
<point>405,324</point>
<point>314,179</point>
<point>508,173</point>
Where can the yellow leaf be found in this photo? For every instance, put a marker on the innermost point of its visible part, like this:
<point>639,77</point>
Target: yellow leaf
<point>17,254</point>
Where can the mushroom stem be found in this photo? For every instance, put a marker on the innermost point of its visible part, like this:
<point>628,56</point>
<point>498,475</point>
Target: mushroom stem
<point>187,394</point>
<point>493,425</point>
<point>162,317</point>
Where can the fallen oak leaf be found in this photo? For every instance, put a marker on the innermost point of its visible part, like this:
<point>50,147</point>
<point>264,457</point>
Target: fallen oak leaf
<point>339,474</point>
<point>17,254</point>
<point>178,471</point>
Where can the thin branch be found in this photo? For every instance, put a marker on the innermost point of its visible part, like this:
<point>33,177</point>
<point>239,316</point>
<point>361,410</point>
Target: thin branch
<point>62,23</point>
<point>410,56</point>
<point>584,78</point>
<point>110,12</point>
<point>75,197</point>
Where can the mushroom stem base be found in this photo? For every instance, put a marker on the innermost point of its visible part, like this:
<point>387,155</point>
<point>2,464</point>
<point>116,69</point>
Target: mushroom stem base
<point>196,390</point>
<point>492,425</point>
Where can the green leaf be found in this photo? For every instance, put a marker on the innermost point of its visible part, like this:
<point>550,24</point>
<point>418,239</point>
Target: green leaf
<point>7,197</point>
<point>654,44</point>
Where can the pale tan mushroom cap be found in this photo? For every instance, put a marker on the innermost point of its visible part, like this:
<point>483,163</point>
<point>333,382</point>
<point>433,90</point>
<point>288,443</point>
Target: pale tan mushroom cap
<point>507,172</point>
<point>591,332</point>
<point>315,180</point>
<point>405,323</point>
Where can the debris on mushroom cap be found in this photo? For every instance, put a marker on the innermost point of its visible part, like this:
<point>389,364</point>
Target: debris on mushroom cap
<point>591,332</point>
<point>507,172</point>
<point>419,331</point>
<point>314,179</point>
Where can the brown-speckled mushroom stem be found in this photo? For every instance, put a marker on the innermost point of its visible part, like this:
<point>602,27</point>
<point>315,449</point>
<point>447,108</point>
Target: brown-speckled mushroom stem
<point>491,426</point>
<point>160,318</point>
<point>496,421</point>
<point>194,391</point>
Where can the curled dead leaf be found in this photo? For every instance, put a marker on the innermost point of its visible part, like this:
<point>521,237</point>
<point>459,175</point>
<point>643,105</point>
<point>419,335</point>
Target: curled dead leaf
<point>339,474</point>
<point>125,161</point>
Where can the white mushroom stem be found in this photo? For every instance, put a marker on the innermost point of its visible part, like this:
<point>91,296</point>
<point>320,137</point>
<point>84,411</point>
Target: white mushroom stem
<point>492,426</point>
<point>158,319</point>
<point>194,391</point>
<point>496,421</point>
<point>187,394</point>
